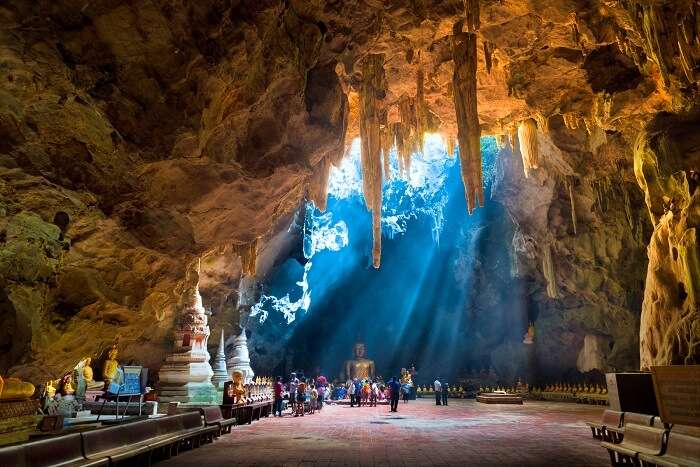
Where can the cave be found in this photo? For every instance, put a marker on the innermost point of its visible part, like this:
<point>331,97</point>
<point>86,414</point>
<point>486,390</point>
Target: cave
<point>212,211</point>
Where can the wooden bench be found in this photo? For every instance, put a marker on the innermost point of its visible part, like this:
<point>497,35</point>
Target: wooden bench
<point>617,434</point>
<point>64,451</point>
<point>611,418</point>
<point>213,417</point>
<point>137,441</point>
<point>682,449</point>
<point>638,439</point>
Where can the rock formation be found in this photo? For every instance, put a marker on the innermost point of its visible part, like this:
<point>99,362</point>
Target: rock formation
<point>137,137</point>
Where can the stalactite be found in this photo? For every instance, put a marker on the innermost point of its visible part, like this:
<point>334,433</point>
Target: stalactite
<point>653,27</point>
<point>318,185</point>
<point>500,141</point>
<point>527,136</point>
<point>387,140</point>
<point>472,14</point>
<point>512,135</point>
<point>421,109</point>
<point>542,123</point>
<point>405,138</point>
<point>488,51</point>
<point>248,252</point>
<point>372,95</point>
<point>572,200</point>
<point>549,273</point>
<point>571,120</point>
<point>468,129</point>
<point>628,205</point>
<point>686,56</point>
<point>450,145</point>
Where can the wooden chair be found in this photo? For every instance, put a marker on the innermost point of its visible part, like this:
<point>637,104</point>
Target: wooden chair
<point>611,418</point>
<point>639,439</point>
<point>213,417</point>
<point>682,449</point>
<point>617,434</point>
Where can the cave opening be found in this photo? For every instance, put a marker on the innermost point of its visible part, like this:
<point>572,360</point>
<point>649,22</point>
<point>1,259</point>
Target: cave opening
<point>444,299</point>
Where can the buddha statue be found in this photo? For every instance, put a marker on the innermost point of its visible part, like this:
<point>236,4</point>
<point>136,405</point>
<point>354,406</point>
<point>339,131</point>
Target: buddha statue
<point>111,366</point>
<point>529,336</point>
<point>50,389</point>
<point>67,388</point>
<point>13,389</point>
<point>360,367</point>
<point>236,390</point>
<point>88,376</point>
<point>406,377</point>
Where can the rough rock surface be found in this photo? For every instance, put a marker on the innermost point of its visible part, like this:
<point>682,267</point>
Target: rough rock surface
<point>138,136</point>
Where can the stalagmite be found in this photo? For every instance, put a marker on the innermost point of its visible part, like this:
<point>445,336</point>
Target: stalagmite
<point>527,135</point>
<point>570,187</point>
<point>248,252</point>
<point>549,274</point>
<point>468,129</point>
<point>372,95</point>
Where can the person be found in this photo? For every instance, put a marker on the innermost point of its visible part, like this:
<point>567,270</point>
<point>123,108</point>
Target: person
<point>301,397</point>
<point>293,385</point>
<point>358,391</point>
<point>313,399</point>
<point>438,391</point>
<point>394,388</point>
<point>351,392</point>
<point>405,390</point>
<point>279,390</point>
<point>445,392</point>
<point>374,395</point>
<point>366,390</point>
<point>321,389</point>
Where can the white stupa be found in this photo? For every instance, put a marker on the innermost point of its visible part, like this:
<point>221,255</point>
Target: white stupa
<point>240,359</point>
<point>219,365</point>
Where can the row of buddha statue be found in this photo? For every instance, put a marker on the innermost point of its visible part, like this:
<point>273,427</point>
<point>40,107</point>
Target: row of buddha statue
<point>428,389</point>
<point>236,392</point>
<point>575,389</point>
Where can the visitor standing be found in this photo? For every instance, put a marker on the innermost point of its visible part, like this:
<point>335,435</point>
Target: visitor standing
<point>314,399</point>
<point>279,390</point>
<point>301,397</point>
<point>394,388</point>
<point>321,394</point>
<point>351,392</point>
<point>375,394</point>
<point>445,392</point>
<point>438,391</point>
<point>293,385</point>
<point>358,391</point>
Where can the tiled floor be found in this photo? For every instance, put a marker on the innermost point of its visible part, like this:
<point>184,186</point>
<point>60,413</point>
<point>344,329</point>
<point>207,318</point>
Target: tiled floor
<point>465,433</point>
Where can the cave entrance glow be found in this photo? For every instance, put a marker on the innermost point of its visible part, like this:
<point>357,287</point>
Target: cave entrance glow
<point>443,298</point>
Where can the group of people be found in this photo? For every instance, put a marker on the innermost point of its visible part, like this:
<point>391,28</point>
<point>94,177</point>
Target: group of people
<point>299,391</point>
<point>368,391</point>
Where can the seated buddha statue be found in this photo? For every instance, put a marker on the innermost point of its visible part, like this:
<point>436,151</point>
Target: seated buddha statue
<point>13,389</point>
<point>237,390</point>
<point>89,376</point>
<point>359,367</point>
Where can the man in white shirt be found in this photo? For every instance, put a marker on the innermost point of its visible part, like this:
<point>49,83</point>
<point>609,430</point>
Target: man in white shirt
<point>351,392</point>
<point>438,391</point>
<point>293,384</point>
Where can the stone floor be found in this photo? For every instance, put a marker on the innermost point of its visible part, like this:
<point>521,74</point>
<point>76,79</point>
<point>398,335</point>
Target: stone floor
<point>465,433</point>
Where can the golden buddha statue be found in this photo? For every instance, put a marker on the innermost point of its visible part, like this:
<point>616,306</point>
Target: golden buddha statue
<point>406,377</point>
<point>360,367</point>
<point>529,336</point>
<point>13,389</point>
<point>237,390</point>
<point>67,388</point>
<point>50,389</point>
<point>89,376</point>
<point>111,366</point>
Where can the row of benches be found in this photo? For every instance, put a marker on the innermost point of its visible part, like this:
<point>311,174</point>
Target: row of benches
<point>130,443</point>
<point>643,440</point>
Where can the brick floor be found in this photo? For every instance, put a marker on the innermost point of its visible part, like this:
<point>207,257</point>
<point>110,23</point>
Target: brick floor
<point>465,433</point>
